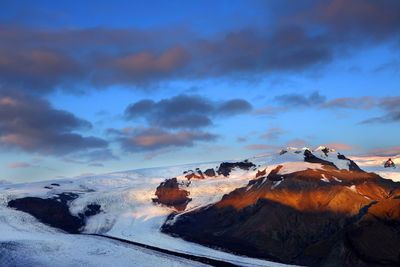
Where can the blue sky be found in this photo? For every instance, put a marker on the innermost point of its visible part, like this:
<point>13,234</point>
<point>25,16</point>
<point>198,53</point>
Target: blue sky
<point>100,86</point>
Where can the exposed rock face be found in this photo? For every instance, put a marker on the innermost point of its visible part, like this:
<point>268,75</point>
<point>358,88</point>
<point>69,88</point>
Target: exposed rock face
<point>310,157</point>
<point>324,217</point>
<point>196,175</point>
<point>55,211</point>
<point>225,168</point>
<point>261,173</point>
<point>210,172</point>
<point>389,164</point>
<point>168,193</point>
<point>352,165</point>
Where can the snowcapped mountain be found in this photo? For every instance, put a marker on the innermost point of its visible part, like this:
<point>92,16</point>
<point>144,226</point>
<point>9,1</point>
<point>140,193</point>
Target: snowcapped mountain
<point>276,208</point>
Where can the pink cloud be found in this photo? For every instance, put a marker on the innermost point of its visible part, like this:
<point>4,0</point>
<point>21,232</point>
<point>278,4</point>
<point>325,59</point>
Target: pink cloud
<point>394,150</point>
<point>19,165</point>
<point>339,146</point>
<point>261,146</point>
<point>296,143</point>
<point>145,61</point>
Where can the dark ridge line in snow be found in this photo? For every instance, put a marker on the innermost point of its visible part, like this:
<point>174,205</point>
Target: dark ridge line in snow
<point>209,261</point>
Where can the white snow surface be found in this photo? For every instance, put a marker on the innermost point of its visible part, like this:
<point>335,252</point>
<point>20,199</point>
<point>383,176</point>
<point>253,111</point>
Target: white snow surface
<point>128,212</point>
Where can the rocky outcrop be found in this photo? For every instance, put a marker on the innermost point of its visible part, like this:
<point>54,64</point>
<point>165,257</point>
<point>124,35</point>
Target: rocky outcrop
<point>324,217</point>
<point>261,173</point>
<point>311,158</point>
<point>168,193</point>
<point>352,165</point>
<point>55,211</point>
<point>389,164</point>
<point>198,174</point>
<point>210,172</point>
<point>225,168</point>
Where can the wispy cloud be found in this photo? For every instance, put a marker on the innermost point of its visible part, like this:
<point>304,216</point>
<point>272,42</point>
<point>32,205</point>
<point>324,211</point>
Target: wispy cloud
<point>273,133</point>
<point>19,165</point>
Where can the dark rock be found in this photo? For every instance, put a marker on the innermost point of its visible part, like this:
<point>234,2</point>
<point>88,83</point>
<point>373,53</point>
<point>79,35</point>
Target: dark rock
<point>225,168</point>
<point>389,164</point>
<point>55,184</point>
<point>55,211</point>
<point>310,157</point>
<point>48,187</point>
<point>209,172</point>
<point>274,176</point>
<point>261,173</point>
<point>352,165</point>
<point>91,210</point>
<point>325,150</point>
<point>49,211</point>
<point>196,175</point>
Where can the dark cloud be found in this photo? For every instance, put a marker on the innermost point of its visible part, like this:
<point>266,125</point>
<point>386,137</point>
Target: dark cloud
<point>299,100</point>
<point>273,133</point>
<point>300,36</point>
<point>153,139</point>
<point>371,19</point>
<point>33,125</point>
<point>184,111</point>
<point>233,107</point>
<point>391,66</point>
<point>393,116</point>
<point>390,105</point>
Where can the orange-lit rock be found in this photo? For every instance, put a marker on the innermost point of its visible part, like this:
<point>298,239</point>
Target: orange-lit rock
<point>321,217</point>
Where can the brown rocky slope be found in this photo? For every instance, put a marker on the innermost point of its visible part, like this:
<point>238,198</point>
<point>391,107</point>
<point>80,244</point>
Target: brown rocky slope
<point>317,217</point>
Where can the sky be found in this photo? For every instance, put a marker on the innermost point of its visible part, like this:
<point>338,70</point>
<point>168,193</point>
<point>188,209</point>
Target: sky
<point>92,87</point>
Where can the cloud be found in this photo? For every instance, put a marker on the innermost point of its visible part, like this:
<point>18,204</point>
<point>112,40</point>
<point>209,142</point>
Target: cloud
<point>375,20</point>
<point>152,154</point>
<point>273,133</point>
<point>291,101</point>
<point>184,111</point>
<point>270,111</point>
<point>339,146</point>
<point>389,151</point>
<point>365,102</point>
<point>391,106</point>
<point>296,143</point>
<point>19,165</point>
<point>2,182</point>
<point>241,139</point>
<point>32,124</point>
<point>262,147</point>
<point>298,100</point>
<point>96,164</point>
<point>151,139</point>
<point>233,107</point>
<point>298,37</point>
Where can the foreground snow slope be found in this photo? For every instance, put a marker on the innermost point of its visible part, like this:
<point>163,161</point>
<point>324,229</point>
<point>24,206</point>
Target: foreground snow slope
<point>127,212</point>
<point>25,242</point>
